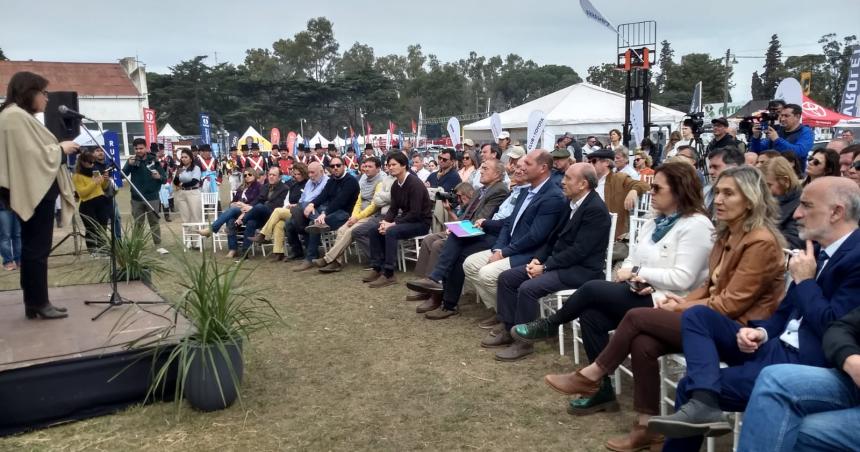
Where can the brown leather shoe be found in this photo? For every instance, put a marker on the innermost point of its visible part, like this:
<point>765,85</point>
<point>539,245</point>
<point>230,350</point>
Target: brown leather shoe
<point>432,303</point>
<point>416,296</point>
<point>503,339</point>
<point>205,232</point>
<point>489,323</point>
<point>383,281</point>
<point>572,384</point>
<point>276,257</point>
<point>305,265</point>
<point>638,439</point>
<point>425,285</point>
<point>258,238</point>
<point>319,263</point>
<point>332,268</point>
<point>441,314</point>
<point>371,275</point>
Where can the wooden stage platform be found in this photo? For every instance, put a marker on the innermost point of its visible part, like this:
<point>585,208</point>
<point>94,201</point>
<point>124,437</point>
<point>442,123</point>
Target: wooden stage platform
<point>65,369</point>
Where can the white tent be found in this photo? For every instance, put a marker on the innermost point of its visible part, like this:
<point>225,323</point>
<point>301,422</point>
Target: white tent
<point>339,142</point>
<point>318,138</point>
<point>255,136</point>
<point>168,132</point>
<point>581,109</point>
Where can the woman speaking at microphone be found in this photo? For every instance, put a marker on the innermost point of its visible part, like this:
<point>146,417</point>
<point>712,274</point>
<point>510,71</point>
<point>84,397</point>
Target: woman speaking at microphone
<point>31,178</point>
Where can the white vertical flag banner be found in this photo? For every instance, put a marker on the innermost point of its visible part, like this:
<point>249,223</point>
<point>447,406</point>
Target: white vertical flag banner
<point>537,121</point>
<point>790,91</point>
<point>637,123</point>
<point>496,126</point>
<point>696,104</point>
<point>420,123</point>
<point>850,104</point>
<point>454,131</point>
<point>596,15</point>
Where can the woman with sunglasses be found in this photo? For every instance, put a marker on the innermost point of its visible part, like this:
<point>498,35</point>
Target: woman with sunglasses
<point>822,162</point>
<point>32,164</point>
<point>246,196</point>
<point>467,165</point>
<point>854,169</point>
<point>670,256</point>
<point>642,165</point>
<point>746,282</point>
<point>94,207</point>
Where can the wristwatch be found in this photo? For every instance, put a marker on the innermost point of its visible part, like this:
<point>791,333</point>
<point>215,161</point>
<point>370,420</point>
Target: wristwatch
<point>635,270</point>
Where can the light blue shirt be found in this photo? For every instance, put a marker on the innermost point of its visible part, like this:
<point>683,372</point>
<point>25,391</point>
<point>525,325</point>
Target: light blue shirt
<point>532,193</point>
<point>507,207</point>
<point>312,190</point>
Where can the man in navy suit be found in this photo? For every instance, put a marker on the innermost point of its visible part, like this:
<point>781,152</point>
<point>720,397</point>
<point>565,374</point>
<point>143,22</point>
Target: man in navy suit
<point>825,286</point>
<point>524,232</point>
<point>573,254</point>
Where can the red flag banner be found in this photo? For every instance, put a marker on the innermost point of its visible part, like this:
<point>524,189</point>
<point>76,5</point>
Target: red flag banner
<point>392,126</point>
<point>150,131</point>
<point>291,142</point>
<point>414,127</point>
<point>275,136</point>
<point>369,129</point>
<point>351,132</point>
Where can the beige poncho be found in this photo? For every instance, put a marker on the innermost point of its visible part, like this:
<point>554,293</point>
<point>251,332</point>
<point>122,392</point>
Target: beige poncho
<point>30,160</point>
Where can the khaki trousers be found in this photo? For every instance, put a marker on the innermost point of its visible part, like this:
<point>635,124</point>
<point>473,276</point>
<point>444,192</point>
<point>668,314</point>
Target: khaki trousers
<point>342,242</point>
<point>188,204</point>
<point>484,277</point>
<point>274,228</point>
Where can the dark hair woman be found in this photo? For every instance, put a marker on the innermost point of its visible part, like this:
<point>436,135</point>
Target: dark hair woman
<point>822,162</point>
<point>671,256</point>
<point>95,207</point>
<point>31,163</point>
<point>187,182</point>
<point>746,282</point>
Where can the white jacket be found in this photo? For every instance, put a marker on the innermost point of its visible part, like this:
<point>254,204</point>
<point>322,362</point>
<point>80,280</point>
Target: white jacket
<point>678,263</point>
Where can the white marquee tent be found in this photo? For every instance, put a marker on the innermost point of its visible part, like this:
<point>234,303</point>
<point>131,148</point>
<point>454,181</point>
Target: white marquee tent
<point>318,138</point>
<point>168,132</point>
<point>581,109</point>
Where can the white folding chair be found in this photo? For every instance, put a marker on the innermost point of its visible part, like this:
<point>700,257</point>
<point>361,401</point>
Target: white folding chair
<point>408,250</point>
<point>209,206</point>
<point>191,237</point>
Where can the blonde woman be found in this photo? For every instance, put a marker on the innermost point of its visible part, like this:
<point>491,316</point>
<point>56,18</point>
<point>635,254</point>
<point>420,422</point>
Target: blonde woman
<point>785,186</point>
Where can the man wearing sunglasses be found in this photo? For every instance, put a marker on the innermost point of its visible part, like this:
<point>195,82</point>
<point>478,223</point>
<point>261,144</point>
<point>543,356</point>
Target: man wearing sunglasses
<point>447,177</point>
<point>792,137</point>
<point>330,210</point>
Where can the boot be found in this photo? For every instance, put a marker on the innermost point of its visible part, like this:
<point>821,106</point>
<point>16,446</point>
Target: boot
<point>638,439</point>
<point>46,312</point>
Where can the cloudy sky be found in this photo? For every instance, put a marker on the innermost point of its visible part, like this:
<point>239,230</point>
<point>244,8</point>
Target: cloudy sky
<point>548,32</point>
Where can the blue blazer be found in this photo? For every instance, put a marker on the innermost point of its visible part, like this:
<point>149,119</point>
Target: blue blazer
<point>535,225</point>
<point>834,294</point>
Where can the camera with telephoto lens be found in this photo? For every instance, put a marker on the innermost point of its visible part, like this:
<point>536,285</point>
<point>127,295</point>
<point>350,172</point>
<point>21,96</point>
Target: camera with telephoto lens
<point>747,125</point>
<point>696,122</point>
<point>450,197</point>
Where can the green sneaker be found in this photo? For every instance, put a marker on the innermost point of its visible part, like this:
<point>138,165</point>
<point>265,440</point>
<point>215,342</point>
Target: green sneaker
<point>535,331</point>
<point>604,400</point>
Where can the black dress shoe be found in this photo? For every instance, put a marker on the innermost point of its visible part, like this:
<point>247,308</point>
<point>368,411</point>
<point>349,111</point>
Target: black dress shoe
<point>59,308</point>
<point>47,312</point>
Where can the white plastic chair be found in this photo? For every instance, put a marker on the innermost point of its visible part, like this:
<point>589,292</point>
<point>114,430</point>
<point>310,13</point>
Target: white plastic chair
<point>409,250</point>
<point>191,237</point>
<point>209,206</point>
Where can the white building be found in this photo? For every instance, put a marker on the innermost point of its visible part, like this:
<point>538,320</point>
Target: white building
<point>114,94</point>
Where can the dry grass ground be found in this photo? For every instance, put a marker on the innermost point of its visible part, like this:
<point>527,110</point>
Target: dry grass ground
<point>353,369</point>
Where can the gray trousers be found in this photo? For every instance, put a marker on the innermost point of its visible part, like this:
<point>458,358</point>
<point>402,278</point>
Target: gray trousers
<point>139,211</point>
<point>361,234</point>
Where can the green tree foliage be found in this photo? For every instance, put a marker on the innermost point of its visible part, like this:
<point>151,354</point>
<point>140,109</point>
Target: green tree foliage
<point>757,88</point>
<point>607,76</point>
<point>774,69</point>
<point>3,56</point>
<point>666,64</point>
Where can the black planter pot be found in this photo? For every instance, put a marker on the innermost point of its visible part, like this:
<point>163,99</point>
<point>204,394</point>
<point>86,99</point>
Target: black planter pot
<point>202,388</point>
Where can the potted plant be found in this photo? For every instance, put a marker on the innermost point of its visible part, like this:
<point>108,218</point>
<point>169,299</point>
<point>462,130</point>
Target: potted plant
<point>223,312</point>
<point>135,258</point>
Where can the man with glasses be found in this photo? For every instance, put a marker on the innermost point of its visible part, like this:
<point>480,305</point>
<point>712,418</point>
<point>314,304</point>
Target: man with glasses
<point>317,181</point>
<point>330,210</point>
<point>791,137</point>
<point>447,177</point>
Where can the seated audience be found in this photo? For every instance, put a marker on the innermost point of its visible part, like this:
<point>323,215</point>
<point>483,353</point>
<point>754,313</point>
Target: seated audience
<point>846,157</point>
<point>419,169</point>
<point>362,212</point>
<point>750,158</point>
<point>468,165</point>
<point>445,282</point>
<point>796,407</point>
<point>718,160</point>
<point>409,215</point>
<point>765,156</point>
<point>573,254</point>
<point>825,286</point>
<point>622,164</point>
<point>670,256</point>
<point>854,170</point>
<point>478,206</point>
<point>330,210</point>
<point>642,164</point>
<point>535,216</point>
<point>272,195</point>
<point>245,197</point>
<point>746,283</point>
<point>560,162</point>
<point>275,227</point>
<point>298,222</point>
<point>785,187</point>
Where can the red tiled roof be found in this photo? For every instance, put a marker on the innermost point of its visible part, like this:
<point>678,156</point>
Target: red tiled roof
<point>88,79</point>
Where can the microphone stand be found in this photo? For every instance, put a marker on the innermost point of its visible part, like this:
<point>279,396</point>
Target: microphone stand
<point>115,298</point>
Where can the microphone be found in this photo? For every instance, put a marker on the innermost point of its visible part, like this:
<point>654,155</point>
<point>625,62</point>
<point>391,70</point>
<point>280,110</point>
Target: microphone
<point>68,112</point>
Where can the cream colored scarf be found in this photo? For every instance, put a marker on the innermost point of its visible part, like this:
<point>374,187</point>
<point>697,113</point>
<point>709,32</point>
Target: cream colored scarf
<point>30,160</point>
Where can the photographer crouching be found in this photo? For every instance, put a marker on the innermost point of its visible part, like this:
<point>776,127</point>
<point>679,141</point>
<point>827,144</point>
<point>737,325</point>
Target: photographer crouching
<point>792,136</point>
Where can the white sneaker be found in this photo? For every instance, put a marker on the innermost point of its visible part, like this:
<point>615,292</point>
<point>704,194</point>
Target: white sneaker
<point>161,251</point>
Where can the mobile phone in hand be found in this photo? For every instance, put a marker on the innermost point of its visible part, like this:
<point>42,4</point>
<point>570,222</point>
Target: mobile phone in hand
<point>637,286</point>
